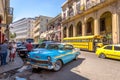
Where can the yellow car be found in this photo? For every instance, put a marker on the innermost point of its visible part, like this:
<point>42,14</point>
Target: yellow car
<point>109,51</point>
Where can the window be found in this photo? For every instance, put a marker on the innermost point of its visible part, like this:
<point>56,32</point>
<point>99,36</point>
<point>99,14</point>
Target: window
<point>53,46</point>
<point>68,47</point>
<point>117,48</point>
<point>108,47</point>
<point>41,19</point>
<point>42,45</point>
<point>47,20</point>
<point>89,27</point>
<point>102,24</point>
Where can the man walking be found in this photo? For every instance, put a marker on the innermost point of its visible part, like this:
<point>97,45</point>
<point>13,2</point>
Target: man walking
<point>29,46</point>
<point>3,52</point>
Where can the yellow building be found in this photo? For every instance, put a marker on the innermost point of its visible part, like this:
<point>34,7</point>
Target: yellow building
<point>91,17</point>
<point>36,32</point>
<point>6,16</point>
<point>40,27</point>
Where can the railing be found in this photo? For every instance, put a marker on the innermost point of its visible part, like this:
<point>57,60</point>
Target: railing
<point>81,8</point>
<point>90,4</point>
<point>10,10</point>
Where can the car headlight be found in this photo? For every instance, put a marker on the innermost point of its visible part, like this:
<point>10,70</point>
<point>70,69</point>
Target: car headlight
<point>28,55</point>
<point>49,58</point>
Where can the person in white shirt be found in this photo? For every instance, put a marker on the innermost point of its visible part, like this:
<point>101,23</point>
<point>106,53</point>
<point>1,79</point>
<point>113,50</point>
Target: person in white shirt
<point>13,51</point>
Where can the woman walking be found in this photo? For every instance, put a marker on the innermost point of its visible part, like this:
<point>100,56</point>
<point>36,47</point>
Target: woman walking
<point>13,51</point>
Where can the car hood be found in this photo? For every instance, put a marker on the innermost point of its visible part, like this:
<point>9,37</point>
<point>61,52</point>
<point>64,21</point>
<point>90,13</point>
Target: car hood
<point>44,53</point>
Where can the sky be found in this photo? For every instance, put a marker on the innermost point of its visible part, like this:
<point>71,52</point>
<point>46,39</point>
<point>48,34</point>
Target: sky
<point>33,8</point>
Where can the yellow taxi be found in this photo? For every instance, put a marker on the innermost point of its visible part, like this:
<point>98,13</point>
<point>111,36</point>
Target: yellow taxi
<point>109,51</point>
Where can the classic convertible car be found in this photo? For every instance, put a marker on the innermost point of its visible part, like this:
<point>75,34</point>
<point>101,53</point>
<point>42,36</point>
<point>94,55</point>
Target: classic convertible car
<point>53,57</point>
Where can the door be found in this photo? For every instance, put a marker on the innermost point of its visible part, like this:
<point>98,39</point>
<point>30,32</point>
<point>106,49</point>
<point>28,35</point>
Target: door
<point>108,51</point>
<point>117,52</point>
<point>68,54</point>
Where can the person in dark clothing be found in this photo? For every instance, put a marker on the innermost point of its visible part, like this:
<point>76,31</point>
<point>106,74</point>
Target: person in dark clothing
<point>1,55</point>
<point>3,52</point>
<point>29,46</point>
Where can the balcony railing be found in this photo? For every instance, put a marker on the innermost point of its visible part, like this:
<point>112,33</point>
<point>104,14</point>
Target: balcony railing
<point>90,4</point>
<point>81,8</point>
<point>10,10</point>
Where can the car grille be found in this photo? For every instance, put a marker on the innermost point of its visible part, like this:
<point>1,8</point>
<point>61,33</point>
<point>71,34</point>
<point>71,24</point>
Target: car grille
<point>38,61</point>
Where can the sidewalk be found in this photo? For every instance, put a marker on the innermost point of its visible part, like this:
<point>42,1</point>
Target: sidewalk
<point>11,65</point>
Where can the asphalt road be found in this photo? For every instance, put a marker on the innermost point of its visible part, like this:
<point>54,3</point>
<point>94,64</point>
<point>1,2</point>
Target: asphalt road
<point>87,67</point>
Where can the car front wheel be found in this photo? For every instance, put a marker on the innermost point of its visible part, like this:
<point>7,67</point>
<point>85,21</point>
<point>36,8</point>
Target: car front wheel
<point>76,57</point>
<point>102,56</point>
<point>58,65</point>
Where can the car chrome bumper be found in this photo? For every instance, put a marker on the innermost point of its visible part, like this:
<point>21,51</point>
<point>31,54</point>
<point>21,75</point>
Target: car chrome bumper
<point>47,66</point>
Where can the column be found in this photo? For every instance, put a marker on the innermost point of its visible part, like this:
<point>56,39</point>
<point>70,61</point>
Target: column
<point>62,33</point>
<point>96,27</point>
<point>83,29</point>
<point>115,28</point>
<point>74,31</point>
<point>67,32</point>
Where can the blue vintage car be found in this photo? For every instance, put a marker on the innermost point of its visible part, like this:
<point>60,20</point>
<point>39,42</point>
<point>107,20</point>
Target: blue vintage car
<point>53,57</point>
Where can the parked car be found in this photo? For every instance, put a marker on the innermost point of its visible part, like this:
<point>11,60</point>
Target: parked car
<point>109,51</point>
<point>22,50</point>
<point>53,57</point>
<point>19,44</point>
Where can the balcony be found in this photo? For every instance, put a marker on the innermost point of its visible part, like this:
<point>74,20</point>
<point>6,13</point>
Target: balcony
<point>37,34</point>
<point>36,28</point>
<point>82,10</point>
<point>91,4</point>
<point>9,15</point>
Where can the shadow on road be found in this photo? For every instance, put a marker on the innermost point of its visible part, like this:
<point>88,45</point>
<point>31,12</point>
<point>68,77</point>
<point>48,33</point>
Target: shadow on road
<point>69,71</point>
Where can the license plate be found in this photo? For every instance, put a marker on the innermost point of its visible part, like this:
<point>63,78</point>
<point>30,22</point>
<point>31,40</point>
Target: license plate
<point>21,54</point>
<point>35,66</point>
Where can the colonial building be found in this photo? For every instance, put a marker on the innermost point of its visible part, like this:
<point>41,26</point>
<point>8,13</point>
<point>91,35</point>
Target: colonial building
<point>23,28</point>
<point>6,16</point>
<point>91,17</point>
<point>40,27</point>
<point>54,29</point>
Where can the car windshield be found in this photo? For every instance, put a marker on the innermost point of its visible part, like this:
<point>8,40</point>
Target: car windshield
<point>35,45</point>
<point>42,45</point>
<point>53,46</point>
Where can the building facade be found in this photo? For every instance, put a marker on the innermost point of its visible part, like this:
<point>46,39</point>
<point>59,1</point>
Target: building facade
<point>40,27</point>
<point>54,29</point>
<point>6,16</point>
<point>23,28</point>
<point>91,17</point>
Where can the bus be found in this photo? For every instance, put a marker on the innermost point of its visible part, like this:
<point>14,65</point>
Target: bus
<point>90,43</point>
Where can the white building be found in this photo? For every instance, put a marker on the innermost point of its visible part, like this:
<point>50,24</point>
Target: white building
<point>23,28</point>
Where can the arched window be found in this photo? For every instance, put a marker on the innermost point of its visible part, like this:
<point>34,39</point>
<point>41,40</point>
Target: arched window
<point>71,31</point>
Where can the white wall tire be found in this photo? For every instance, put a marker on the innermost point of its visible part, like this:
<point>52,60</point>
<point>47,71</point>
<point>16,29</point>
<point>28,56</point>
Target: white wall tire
<point>57,66</point>
<point>76,57</point>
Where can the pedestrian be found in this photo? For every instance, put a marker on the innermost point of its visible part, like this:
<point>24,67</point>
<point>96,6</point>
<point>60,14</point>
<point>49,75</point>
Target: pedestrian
<point>13,51</point>
<point>4,52</point>
<point>29,47</point>
<point>0,54</point>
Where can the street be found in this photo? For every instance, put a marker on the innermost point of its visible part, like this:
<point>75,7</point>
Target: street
<point>87,67</point>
